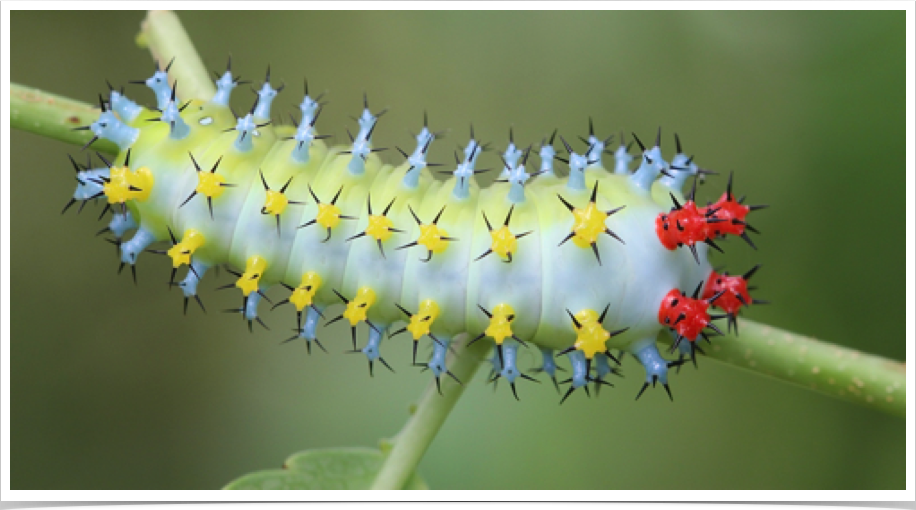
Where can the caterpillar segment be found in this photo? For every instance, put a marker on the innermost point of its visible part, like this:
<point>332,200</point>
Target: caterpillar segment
<point>407,253</point>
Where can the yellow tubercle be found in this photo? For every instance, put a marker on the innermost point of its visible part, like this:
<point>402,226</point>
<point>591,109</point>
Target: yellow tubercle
<point>181,252</point>
<point>304,294</point>
<point>124,184</point>
<point>379,227</point>
<point>254,269</point>
<point>141,178</point>
<point>328,215</point>
<point>358,307</point>
<point>589,224</point>
<point>504,242</point>
<point>421,321</point>
<point>210,184</point>
<point>500,327</point>
<point>590,334</point>
<point>275,203</point>
<point>431,237</point>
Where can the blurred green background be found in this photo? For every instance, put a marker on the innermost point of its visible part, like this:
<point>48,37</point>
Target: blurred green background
<point>112,388</point>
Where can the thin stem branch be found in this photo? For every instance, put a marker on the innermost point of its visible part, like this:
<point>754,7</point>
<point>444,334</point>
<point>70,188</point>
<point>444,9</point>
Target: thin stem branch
<point>166,39</point>
<point>848,374</point>
<point>413,440</point>
<point>53,116</point>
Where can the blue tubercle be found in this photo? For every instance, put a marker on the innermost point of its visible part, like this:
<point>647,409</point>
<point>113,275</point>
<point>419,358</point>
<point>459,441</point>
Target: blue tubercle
<point>310,108</point>
<point>362,144</point>
<point>159,84</point>
<point>508,357</point>
<point>110,127</point>
<point>121,223</point>
<point>367,122</point>
<point>651,166</point>
<point>245,126</point>
<point>580,376</point>
<point>171,115</point>
<point>308,330</point>
<point>577,164</point>
<point>417,159</point>
<point>437,363</point>
<point>683,168</point>
<point>224,86</point>
<point>646,352</point>
<point>192,278</point>
<point>360,150</point>
<point>305,134</point>
<point>548,364</point>
<point>251,306</point>
<point>547,154</point>
<point>131,249</point>
<point>622,158</point>
<point>189,284</point>
<point>602,367</point>
<point>510,157</point>
<point>464,172</point>
<point>126,109</point>
<point>265,98</point>
<point>90,183</point>
<point>517,178</point>
<point>373,346</point>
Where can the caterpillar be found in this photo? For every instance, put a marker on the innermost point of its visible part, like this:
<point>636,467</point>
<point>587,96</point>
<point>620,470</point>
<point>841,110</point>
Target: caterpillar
<point>586,266</point>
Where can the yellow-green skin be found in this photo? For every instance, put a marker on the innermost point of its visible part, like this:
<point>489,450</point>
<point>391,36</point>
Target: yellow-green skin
<point>541,283</point>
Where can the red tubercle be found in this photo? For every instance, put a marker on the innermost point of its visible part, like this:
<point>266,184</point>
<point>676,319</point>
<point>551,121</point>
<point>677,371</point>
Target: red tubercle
<point>734,293</point>
<point>683,225</point>
<point>728,216</point>
<point>687,225</point>
<point>688,316</point>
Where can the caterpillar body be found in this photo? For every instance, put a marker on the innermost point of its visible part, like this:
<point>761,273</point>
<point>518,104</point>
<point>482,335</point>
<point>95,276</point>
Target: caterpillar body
<point>580,266</point>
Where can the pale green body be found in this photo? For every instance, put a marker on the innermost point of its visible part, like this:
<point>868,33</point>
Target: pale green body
<point>541,284</point>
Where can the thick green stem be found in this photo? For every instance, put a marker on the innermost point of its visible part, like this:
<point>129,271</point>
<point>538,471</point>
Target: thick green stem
<point>413,440</point>
<point>54,116</point>
<point>166,39</point>
<point>873,381</point>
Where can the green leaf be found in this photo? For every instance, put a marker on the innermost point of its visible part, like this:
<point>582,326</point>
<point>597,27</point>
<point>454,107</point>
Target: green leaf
<point>337,468</point>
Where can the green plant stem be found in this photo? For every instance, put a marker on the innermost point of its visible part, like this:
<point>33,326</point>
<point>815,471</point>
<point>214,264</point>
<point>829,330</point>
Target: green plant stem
<point>866,379</point>
<point>166,39</point>
<point>53,116</point>
<point>413,440</point>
